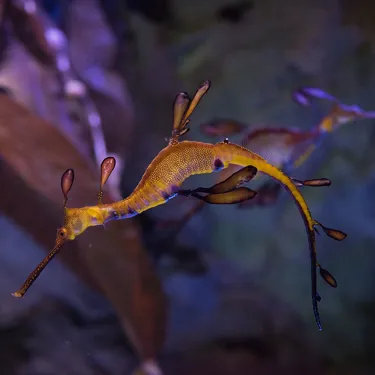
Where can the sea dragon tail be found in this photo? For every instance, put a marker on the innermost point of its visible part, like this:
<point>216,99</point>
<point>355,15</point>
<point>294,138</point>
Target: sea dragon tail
<point>230,153</point>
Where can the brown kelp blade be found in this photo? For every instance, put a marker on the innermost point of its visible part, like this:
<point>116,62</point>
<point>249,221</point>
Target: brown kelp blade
<point>234,181</point>
<point>180,106</point>
<point>67,180</point>
<point>328,278</point>
<point>232,197</point>
<point>195,101</point>
<point>29,27</point>
<point>40,267</point>
<point>318,182</point>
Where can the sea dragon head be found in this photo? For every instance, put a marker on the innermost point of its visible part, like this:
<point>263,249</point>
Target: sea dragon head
<point>76,220</point>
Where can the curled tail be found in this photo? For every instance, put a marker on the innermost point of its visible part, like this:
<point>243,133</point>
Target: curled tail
<point>234,154</point>
<point>313,265</point>
<point>290,187</point>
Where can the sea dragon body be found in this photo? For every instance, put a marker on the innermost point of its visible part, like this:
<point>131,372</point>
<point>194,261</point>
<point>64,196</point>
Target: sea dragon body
<point>162,181</point>
<point>163,178</point>
<point>166,173</point>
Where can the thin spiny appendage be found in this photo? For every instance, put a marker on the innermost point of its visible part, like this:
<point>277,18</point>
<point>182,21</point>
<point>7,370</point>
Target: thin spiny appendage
<point>32,277</point>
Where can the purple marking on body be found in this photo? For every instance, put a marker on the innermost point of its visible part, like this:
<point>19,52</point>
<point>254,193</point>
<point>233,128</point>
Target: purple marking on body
<point>165,195</point>
<point>218,165</point>
<point>174,189</point>
<point>131,212</point>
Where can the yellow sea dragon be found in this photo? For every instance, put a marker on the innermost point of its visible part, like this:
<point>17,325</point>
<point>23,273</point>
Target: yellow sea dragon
<point>162,180</point>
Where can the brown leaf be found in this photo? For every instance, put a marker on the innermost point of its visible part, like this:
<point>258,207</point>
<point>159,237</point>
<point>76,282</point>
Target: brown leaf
<point>112,260</point>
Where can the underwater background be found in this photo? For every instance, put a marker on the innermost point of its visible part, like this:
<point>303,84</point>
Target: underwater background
<point>231,293</point>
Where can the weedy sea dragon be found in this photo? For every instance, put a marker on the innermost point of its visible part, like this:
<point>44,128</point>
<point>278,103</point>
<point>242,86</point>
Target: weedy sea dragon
<point>163,178</point>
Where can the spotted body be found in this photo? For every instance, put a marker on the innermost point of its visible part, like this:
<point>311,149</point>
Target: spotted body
<point>162,181</point>
<point>171,167</point>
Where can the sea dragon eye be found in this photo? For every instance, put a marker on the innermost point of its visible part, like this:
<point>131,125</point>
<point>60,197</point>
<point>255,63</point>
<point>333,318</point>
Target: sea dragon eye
<point>62,233</point>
